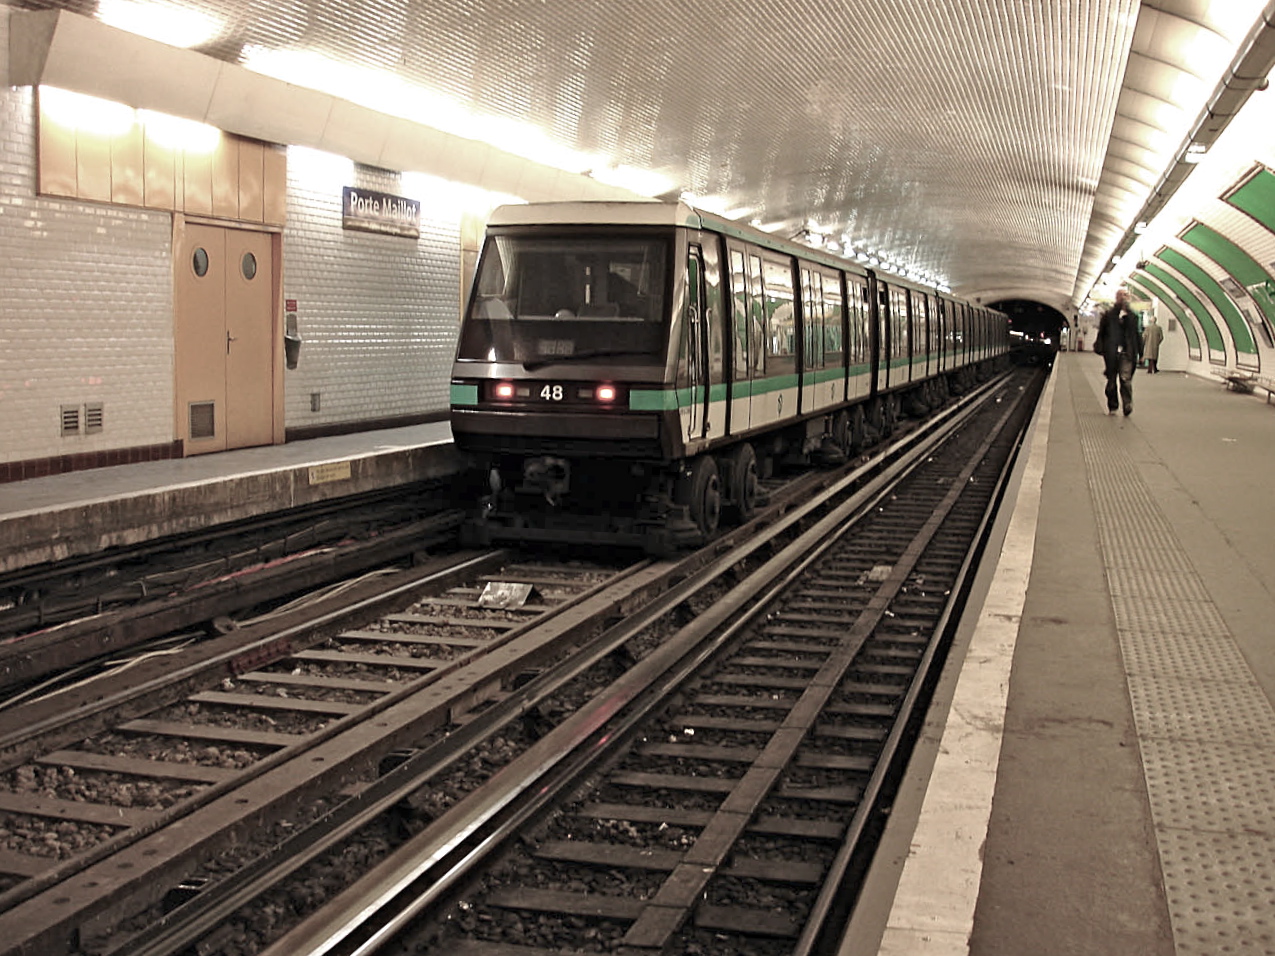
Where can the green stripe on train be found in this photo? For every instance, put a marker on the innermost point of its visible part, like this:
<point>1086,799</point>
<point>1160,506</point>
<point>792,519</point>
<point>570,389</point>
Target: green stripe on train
<point>670,399</point>
<point>464,394</point>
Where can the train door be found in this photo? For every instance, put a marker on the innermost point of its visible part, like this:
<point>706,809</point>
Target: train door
<point>714,312</point>
<point>900,346</point>
<point>931,322</point>
<point>822,383</point>
<point>694,410</point>
<point>940,334</point>
<point>916,342</point>
<point>224,355</point>
<point>859,343</point>
<point>741,349</point>
<point>878,337</point>
<point>782,332</point>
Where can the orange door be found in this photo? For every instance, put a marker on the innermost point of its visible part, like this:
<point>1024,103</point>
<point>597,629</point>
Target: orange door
<point>249,340</point>
<point>223,339</point>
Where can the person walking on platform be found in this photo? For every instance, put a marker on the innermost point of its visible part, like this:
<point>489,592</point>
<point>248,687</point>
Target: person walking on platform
<point>1152,336</point>
<point>1120,345</point>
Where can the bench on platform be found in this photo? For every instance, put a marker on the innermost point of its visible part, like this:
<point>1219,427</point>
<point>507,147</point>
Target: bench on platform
<point>1264,382</point>
<point>1239,380</point>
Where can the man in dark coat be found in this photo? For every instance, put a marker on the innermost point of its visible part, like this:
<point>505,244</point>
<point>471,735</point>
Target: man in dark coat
<point>1120,344</point>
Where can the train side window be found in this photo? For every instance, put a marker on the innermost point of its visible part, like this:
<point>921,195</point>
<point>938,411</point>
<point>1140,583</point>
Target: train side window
<point>714,313</point>
<point>757,314</point>
<point>781,319</point>
<point>833,322</point>
<point>739,311</point>
<point>812,310</point>
<point>857,305</point>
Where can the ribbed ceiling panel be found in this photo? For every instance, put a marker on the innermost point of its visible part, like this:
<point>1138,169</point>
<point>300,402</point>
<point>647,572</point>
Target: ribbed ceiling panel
<point>965,138</point>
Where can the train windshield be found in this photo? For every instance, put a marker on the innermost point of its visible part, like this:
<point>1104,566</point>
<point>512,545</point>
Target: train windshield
<point>543,300</point>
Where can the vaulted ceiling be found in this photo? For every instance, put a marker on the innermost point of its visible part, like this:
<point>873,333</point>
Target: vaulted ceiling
<point>1003,148</point>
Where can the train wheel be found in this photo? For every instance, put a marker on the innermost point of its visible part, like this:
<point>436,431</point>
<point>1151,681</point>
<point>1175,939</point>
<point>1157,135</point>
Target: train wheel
<point>890,414</point>
<point>741,472</point>
<point>858,431</point>
<point>876,418</point>
<point>841,431</point>
<point>700,490</point>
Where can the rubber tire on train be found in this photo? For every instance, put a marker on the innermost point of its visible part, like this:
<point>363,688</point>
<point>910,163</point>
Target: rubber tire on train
<point>740,467</point>
<point>699,488</point>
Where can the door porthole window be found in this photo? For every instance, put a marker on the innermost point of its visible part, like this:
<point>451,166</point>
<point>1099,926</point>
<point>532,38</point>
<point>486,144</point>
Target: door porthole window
<point>249,266</point>
<point>200,262</point>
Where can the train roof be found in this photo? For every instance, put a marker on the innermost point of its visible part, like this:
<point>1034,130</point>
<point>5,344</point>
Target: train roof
<point>656,213</point>
<point>599,212</point>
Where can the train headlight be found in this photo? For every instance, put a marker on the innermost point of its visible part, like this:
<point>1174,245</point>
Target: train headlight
<point>606,393</point>
<point>504,390</point>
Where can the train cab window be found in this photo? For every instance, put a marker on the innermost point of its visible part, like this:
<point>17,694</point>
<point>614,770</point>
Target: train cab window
<point>557,298</point>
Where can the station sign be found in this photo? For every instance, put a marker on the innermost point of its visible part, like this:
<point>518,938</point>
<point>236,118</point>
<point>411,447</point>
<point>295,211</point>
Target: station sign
<point>370,211</point>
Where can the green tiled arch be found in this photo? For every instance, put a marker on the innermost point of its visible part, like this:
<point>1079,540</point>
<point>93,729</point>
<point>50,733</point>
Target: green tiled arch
<point>1151,289</point>
<point>1256,197</point>
<point>1241,335</point>
<point>1212,337</point>
<point>1242,267</point>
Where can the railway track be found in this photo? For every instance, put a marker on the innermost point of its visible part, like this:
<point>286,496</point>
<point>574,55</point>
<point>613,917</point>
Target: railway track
<point>387,721</point>
<point>54,617</point>
<point>716,798</point>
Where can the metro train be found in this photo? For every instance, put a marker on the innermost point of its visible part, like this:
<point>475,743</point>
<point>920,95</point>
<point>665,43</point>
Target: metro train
<point>629,372</point>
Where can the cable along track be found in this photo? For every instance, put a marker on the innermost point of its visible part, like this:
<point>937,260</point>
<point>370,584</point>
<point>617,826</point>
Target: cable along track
<point>716,797</point>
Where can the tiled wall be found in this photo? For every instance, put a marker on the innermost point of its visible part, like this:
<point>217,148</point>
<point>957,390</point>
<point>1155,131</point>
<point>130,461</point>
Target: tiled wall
<point>85,308</point>
<point>86,311</point>
<point>377,314</point>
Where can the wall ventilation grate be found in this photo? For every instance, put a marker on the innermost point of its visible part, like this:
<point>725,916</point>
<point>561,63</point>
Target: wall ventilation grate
<point>70,420</point>
<point>93,418</point>
<point>202,420</point>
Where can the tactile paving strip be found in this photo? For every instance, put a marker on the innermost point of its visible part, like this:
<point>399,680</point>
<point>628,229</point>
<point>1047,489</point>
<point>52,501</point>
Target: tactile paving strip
<point>1205,728</point>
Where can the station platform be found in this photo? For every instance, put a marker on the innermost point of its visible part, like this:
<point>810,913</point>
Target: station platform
<point>83,512</point>
<point>1099,773</point>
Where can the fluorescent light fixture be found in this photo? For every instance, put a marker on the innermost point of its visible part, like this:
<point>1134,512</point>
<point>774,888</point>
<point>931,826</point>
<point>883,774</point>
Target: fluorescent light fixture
<point>447,199</point>
<point>640,181</point>
<point>176,133</point>
<point>382,91</point>
<point>175,25</point>
<point>319,170</point>
<point>714,204</point>
<point>88,113</point>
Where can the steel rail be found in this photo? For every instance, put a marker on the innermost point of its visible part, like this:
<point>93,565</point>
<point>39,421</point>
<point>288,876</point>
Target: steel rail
<point>833,897</point>
<point>184,926</point>
<point>421,871</point>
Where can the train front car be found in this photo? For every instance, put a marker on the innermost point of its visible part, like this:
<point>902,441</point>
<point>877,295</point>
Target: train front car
<point>564,370</point>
